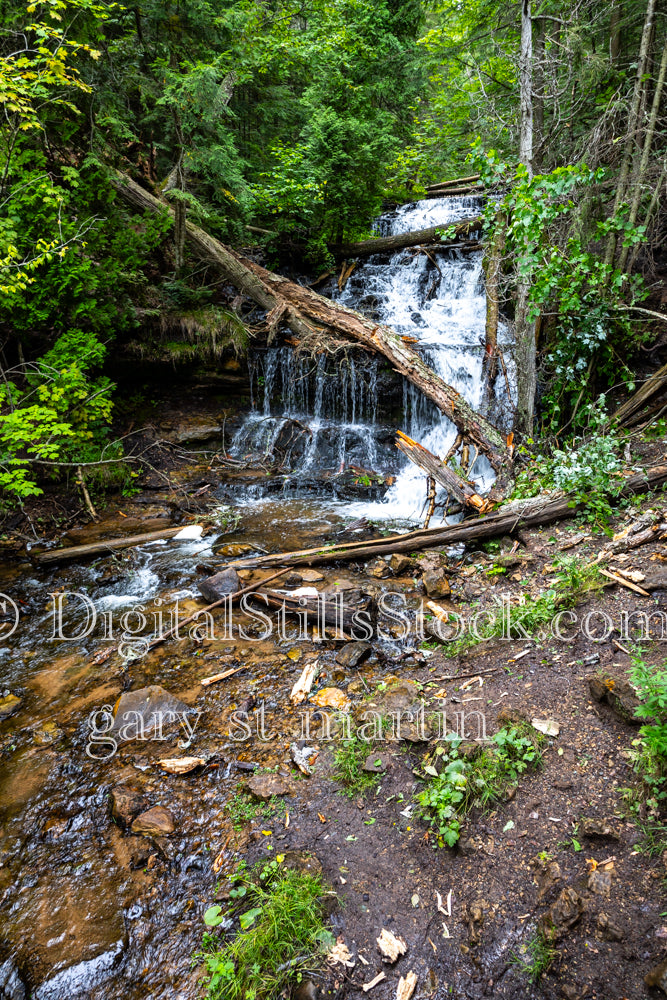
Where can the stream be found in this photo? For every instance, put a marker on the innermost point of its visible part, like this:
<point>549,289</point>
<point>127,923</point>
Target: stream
<point>86,910</point>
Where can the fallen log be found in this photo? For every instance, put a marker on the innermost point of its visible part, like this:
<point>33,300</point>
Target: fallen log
<point>535,511</point>
<point>434,467</point>
<point>445,192</point>
<point>101,548</point>
<point>654,384</point>
<point>457,182</point>
<point>390,244</point>
<point>313,319</point>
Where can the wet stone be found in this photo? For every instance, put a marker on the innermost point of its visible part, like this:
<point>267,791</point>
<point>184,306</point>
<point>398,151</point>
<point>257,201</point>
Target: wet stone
<point>234,549</point>
<point>155,822</point>
<point>353,653</point>
<point>11,987</point>
<point>126,803</point>
<point>144,707</point>
<point>9,704</point>
<point>214,588</point>
<point>310,576</point>
<point>599,828</point>
<point>400,564</point>
<point>264,786</point>
<point>375,763</point>
<point>618,693</point>
<point>436,583</point>
<point>379,569</point>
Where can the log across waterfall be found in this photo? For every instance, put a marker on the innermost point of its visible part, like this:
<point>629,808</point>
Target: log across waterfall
<point>311,317</point>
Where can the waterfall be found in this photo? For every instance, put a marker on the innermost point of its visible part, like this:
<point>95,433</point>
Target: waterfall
<point>437,299</point>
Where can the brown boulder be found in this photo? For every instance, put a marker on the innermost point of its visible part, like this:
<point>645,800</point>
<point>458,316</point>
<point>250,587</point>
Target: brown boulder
<point>215,587</point>
<point>436,583</point>
<point>563,915</point>
<point>126,803</point>
<point>265,786</point>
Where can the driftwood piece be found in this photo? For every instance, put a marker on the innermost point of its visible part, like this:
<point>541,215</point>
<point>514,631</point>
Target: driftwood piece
<point>313,318</point>
<point>535,511</point>
<point>400,241</point>
<point>456,182</point>
<point>467,189</point>
<point>101,548</point>
<point>321,610</point>
<point>463,491</point>
<point>654,384</point>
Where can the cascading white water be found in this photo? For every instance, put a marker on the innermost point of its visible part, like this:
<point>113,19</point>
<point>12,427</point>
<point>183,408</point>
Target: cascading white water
<point>437,299</point>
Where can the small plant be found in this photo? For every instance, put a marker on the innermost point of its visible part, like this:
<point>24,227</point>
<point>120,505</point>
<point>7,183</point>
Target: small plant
<point>278,931</point>
<point>534,956</point>
<point>649,756</point>
<point>464,782</point>
<point>348,767</point>
<point>223,517</point>
<point>243,809</point>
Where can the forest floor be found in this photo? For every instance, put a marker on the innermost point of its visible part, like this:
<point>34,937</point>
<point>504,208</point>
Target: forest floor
<point>561,848</point>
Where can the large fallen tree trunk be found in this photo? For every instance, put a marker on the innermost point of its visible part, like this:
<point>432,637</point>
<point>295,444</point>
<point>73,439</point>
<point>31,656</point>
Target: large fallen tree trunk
<point>457,182</point>
<point>313,319</point>
<point>101,548</point>
<point>524,514</point>
<point>459,488</point>
<point>390,244</point>
<point>640,398</point>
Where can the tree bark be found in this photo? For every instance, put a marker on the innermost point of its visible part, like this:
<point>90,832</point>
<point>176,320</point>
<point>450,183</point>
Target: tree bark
<point>646,152</point>
<point>390,244</point>
<point>633,126</point>
<point>533,512</point>
<point>457,182</point>
<point>434,467</point>
<point>640,398</point>
<point>313,318</point>
<point>101,548</point>
<point>526,88</point>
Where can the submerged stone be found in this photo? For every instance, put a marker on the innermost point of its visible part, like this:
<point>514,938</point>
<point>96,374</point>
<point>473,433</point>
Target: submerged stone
<point>352,653</point>
<point>146,711</point>
<point>155,822</point>
<point>215,587</point>
<point>9,704</point>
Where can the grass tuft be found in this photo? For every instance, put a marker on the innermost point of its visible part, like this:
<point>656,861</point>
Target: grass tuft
<point>348,767</point>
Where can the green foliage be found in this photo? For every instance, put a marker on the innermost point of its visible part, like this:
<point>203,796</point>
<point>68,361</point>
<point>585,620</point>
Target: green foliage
<point>649,754</point>
<point>348,767</point>
<point>280,933</point>
<point>534,956</point>
<point>588,467</point>
<point>465,781</point>
<point>242,808</point>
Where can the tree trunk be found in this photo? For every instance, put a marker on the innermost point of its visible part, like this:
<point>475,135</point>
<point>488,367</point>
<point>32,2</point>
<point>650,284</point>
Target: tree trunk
<point>656,383</point>
<point>315,319</point>
<point>390,244</point>
<point>524,330</point>
<point>615,32</point>
<point>633,126</point>
<point>462,490</point>
<point>493,267</point>
<point>457,182</point>
<point>646,152</point>
<point>538,96</point>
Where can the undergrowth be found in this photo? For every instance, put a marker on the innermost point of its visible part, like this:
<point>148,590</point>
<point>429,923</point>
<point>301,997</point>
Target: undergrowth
<point>534,956</point>
<point>649,751</point>
<point>574,582</point>
<point>349,767</point>
<point>242,808</point>
<point>274,933</point>
<point>455,782</point>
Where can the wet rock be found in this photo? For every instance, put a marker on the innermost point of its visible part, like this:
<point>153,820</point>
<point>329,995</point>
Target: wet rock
<point>375,763</point>
<point>79,979</point>
<point>655,578</point>
<point>264,786</point>
<point>618,693</point>
<point>599,828</point>
<point>379,569</point>
<point>11,987</point>
<point>599,882</point>
<point>353,653</point>
<point>400,695</point>
<point>436,583</point>
<point>155,822</point>
<point>400,564</point>
<point>214,588</point>
<point>126,804</point>
<point>310,576</point>
<point>234,549</point>
<point>431,559</point>
<point>9,704</point>
<point>331,697</point>
<point>658,977</point>
<point>137,713</point>
<point>563,915</point>
<point>607,930</point>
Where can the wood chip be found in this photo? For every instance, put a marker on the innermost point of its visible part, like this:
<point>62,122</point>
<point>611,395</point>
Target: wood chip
<point>406,986</point>
<point>547,726</point>
<point>629,574</point>
<point>304,683</point>
<point>340,954</point>
<point>391,947</point>
<point>625,583</point>
<point>214,678</point>
<point>180,765</point>
<point>378,979</point>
